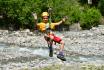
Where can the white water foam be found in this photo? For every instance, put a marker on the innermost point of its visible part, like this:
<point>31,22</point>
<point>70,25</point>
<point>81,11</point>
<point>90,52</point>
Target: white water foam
<point>24,49</point>
<point>41,52</point>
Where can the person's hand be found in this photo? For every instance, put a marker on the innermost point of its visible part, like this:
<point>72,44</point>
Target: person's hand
<point>64,19</point>
<point>34,15</point>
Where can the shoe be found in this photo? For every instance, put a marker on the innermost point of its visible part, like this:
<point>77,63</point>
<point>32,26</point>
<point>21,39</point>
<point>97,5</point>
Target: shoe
<point>61,56</point>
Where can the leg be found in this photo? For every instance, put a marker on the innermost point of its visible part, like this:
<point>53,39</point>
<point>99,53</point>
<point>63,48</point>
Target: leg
<point>62,45</point>
<point>50,50</point>
<point>61,54</point>
<point>50,43</point>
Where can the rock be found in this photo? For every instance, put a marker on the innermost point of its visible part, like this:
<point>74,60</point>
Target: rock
<point>85,42</point>
<point>75,27</point>
<point>16,34</point>
<point>26,30</point>
<point>30,34</point>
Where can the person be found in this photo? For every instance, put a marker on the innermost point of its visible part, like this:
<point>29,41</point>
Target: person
<point>42,26</point>
<point>49,36</point>
<point>53,39</point>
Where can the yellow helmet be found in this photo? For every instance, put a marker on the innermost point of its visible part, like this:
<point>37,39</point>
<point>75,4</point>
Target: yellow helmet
<point>45,14</point>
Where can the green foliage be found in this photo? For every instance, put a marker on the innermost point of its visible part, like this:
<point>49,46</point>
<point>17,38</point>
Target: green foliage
<point>19,12</point>
<point>75,14</point>
<point>101,6</point>
<point>83,1</point>
<point>90,18</point>
<point>69,8</point>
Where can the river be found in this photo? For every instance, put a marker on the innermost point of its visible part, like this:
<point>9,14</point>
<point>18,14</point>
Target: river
<point>15,57</point>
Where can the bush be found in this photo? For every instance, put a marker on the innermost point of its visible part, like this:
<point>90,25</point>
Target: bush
<point>74,14</point>
<point>90,18</point>
<point>18,12</point>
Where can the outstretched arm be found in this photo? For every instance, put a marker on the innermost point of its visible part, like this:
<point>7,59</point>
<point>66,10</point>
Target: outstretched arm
<point>60,22</point>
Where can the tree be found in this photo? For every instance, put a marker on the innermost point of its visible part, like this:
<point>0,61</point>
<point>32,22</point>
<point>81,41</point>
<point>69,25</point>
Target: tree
<point>101,6</point>
<point>18,12</point>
